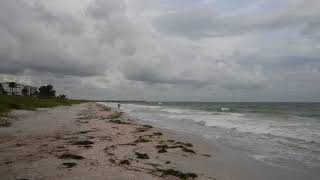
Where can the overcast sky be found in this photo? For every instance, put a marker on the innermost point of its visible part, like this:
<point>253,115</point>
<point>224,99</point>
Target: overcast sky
<point>177,50</point>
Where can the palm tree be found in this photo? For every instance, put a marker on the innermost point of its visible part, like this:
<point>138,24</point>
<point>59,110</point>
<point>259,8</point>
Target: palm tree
<point>12,85</point>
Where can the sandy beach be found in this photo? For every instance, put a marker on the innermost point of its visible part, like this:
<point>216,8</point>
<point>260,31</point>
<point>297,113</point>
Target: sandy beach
<point>91,141</point>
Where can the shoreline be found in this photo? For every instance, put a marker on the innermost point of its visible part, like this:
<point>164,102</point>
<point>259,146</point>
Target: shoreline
<point>92,141</point>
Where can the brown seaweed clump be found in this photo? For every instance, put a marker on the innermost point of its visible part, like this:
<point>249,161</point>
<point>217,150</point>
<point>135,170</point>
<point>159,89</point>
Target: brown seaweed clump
<point>142,155</point>
<point>176,173</point>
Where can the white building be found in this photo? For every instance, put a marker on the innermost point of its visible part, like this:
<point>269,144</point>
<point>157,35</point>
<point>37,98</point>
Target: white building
<point>18,90</point>
<point>31,90</point>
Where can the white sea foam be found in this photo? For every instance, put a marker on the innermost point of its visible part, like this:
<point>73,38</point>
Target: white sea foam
<point>273,137</point>
<point>295,128</point>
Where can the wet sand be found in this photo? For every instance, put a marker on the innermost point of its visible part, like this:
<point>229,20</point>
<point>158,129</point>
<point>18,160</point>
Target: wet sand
<point>90,141</point>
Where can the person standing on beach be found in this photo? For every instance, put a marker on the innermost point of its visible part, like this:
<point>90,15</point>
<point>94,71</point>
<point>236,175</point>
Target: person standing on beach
<point>119,105</point>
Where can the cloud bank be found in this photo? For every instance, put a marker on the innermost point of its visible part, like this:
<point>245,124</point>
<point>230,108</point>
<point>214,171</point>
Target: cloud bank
<point>174,50</point>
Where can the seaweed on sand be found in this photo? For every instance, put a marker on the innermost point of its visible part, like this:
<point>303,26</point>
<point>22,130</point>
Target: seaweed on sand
<point>85,142</point>
<point>157,133</point>
<point>141,140</point>
<point>125,162</point>
<point>142,155</point>
<point>69,164</point>
<point>184,144</point>
<point>71,156</point>
<point>162,148</point>
<point>176,173</point>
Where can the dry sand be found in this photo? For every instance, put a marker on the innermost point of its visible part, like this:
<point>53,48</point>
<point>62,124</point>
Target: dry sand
<point>89,141</point>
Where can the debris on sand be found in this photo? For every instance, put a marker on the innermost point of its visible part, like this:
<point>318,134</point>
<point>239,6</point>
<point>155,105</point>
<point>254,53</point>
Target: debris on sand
<point>207,155</point>
<point>4,122</point>
<point>125,162</point>
<point>85,142</point>
<point>157,133</point>
<point>69,164</point>
<point>71,156</point>
<point>84,132</point>
<point>20,144</point>
<point>118,122</point>
<point>106,108</point>
<point>187,150</point>
<point>176,173</point>
<point>184,144</point>
<point>112,161</point>
<point>162,148</point>
<point>87,146</point>
<point>128,144</point>
<point>147,126</point>
<point>142,155</point>
<point>115,115</point>
<point>144,128</point>
<point>141,140</point>
<point>141,130</point>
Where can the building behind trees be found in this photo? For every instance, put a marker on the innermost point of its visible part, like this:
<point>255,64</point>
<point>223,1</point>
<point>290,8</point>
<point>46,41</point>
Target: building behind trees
<point>12,88</point>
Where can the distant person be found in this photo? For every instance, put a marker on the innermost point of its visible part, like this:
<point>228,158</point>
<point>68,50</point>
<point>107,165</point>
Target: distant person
<point>119,105</point>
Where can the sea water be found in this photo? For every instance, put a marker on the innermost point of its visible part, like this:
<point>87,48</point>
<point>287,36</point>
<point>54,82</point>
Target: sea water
<point>280,134</point>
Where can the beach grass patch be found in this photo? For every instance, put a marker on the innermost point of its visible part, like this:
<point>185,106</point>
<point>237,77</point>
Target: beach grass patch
<point>8,103</point>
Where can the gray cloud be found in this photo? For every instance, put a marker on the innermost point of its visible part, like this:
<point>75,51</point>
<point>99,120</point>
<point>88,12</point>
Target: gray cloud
<point>204,22</point>
<point>31,40</point>
<point>167,50</point>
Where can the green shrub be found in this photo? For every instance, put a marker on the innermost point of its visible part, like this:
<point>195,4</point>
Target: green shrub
<point>8,103</point>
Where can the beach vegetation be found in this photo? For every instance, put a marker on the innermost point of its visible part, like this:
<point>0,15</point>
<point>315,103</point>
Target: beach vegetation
<point>62,96</point>
<point>8,103</point>
<point>46,91</point>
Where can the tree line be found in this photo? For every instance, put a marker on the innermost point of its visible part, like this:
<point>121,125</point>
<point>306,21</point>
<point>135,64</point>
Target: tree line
<point>46,91</point>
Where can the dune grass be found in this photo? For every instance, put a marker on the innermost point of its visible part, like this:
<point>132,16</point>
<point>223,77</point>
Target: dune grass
<point>8,103</point>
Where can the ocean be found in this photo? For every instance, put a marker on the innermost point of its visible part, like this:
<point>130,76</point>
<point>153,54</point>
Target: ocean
<point>279,134</point>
